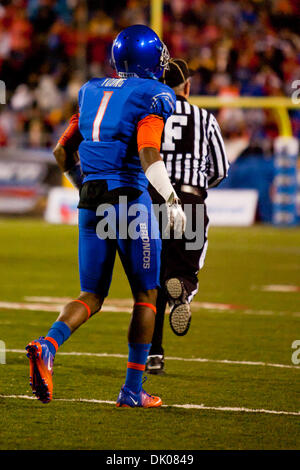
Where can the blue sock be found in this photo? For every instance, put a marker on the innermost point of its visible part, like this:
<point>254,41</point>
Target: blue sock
<point>59,332</point>
<point>137,358</point>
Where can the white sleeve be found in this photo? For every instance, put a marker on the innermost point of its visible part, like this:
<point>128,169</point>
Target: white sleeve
<point>157,175</point>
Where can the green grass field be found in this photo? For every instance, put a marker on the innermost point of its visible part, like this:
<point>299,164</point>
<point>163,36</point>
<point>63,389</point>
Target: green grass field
<point>239,398</point>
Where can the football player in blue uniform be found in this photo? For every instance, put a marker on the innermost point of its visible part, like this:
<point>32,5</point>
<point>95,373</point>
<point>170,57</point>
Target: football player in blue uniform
<point>118,134</point>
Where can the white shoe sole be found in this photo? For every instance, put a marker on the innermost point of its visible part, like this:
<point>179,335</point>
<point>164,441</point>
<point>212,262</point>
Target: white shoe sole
<point>174,288</point>
<point>180,319</point>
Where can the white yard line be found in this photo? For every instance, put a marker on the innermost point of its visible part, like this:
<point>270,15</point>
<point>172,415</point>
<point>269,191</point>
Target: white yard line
<point>38,307</point>
<point>26,306</point>
<point>280,288</point>
<point>128,303</point>
<point>182,359</point>
<point>50,304</point>
<point>185,406</point>
<point>55,300</point>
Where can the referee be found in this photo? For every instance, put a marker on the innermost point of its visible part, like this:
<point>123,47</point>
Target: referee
<point>194,154</point>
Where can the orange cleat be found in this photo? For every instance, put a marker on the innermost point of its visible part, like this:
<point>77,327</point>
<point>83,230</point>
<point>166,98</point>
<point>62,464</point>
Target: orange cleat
<point>129,399</point>
<point>40,369</point>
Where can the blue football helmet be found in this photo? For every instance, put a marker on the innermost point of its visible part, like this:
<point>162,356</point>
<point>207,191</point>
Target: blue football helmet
<point>137,51</point>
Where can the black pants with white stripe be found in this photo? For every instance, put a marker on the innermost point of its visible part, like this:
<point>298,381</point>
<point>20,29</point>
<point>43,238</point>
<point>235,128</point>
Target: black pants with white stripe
<point>178,261</point>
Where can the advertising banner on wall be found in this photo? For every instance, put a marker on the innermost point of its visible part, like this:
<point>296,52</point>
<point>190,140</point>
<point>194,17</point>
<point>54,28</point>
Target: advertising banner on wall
<point>62,206</point>
<point>225,207</point>
<point>285,181</point>
<point>25,179</point>
<point>232,207</point>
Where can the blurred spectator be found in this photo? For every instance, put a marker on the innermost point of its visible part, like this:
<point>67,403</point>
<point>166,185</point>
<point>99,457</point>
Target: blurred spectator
<point>47,93</point>
<point>22,98</point>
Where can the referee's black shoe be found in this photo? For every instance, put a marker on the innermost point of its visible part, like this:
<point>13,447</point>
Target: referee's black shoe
<point>180,314</point>
<point>155,364</point>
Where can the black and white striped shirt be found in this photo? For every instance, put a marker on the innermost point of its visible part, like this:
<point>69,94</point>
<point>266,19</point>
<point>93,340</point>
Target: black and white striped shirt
<point>193,148</point>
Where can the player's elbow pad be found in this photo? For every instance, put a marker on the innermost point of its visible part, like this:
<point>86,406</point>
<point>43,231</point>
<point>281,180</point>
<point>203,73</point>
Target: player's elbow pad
<point>157,175</point>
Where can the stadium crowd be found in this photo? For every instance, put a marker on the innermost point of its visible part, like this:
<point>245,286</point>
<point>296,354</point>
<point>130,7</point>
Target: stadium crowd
<point>49,48</point>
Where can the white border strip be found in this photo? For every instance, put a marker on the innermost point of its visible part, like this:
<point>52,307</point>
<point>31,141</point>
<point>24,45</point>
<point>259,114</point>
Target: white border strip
<point>183,359</point>
<point>185,406</point>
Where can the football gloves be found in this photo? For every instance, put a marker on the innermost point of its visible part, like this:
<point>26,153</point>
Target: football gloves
<point>176,217</point>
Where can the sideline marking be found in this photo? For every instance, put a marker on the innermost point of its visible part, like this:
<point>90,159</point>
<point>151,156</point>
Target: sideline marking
<point>129,303</point>
<point>185,406</point>
<point>39,307</point>
<point>183,359</point>
<point>280,288</point>
<point>51,304</point>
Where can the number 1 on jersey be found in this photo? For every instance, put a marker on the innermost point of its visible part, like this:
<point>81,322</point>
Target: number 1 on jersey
<point>99,116</point>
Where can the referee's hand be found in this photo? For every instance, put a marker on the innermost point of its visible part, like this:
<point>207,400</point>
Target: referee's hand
<point>176,217</point>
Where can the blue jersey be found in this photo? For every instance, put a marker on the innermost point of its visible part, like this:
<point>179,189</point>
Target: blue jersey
<point>110,110</point>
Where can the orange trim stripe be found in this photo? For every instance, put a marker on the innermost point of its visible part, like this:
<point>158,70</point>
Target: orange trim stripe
<point>149,131</point>
<point>86,306</point>
<point>134,365</point>
<point>52,341</point>
<point>145,304</point>
<point>71,130</point>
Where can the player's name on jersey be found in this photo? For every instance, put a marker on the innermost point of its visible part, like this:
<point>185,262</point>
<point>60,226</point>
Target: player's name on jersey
<point>113,82</point>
